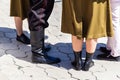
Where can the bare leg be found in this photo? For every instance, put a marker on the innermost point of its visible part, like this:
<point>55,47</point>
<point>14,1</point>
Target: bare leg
<point>18,24</point>
<point>90,49</point>
<point>91,45</point>
<point>77,44</point>
<point>20,35</point>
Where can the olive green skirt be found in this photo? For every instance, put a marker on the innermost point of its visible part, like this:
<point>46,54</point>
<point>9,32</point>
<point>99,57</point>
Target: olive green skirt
<point>19,8</point>
<point>87,18</point>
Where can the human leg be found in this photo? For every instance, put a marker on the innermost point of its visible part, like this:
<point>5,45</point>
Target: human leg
<point>115,40</point>
<point>77,49</point>
<point>90,49</point>
<point>37,27</point>
<point>21,37</point>
<point>18,25</point>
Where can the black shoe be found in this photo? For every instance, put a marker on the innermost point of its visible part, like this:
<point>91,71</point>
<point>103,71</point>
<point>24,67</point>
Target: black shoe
<point>104,49</point>
<point>117,58</point>
<point>87,65</point>
<point>23,38</point>
<point>44,59</point>
<point>47,48</point>
<point>77,66</point>
<point>107,56</point>
<point>103,56</point>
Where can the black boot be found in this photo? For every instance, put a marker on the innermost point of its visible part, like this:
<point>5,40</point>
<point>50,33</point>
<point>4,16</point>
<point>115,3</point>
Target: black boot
<point>77,61</point>
<point>44,58</point>
<point>38,51</point>
<point>88,61</point>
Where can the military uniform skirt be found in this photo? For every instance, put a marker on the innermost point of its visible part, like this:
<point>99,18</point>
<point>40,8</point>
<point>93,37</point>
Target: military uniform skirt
<point>87,18</point>
<point>19,8</point>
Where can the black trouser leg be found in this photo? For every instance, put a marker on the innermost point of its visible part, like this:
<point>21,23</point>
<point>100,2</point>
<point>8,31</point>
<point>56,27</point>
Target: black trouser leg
<point>39,13</point>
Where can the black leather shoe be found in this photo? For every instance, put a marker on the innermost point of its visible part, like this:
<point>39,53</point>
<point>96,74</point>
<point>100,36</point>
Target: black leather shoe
<point>103,56</point>
<point>87,65</point>
<point>23,38</point>
<point>117,58</point>
<point>104,49</point>
<point>107,56</point>
<point>44,59</point>
<point>77,66</point>
<point>47,48</point>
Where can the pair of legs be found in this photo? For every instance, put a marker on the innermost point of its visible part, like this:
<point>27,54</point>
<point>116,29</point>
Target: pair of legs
<point>19,30</point>
<point>90,44</point>
<point>77,48</point>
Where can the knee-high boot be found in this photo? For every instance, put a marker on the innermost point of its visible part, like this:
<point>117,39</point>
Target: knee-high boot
<point>77,63</point>
<point>88,61</point>
<point>37,45</point>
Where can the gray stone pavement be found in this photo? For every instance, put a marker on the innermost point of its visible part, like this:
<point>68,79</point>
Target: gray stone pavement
<point>15,57</point>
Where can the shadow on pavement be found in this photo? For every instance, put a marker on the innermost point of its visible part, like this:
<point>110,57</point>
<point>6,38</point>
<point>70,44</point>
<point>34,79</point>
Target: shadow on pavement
<point>9,46</point>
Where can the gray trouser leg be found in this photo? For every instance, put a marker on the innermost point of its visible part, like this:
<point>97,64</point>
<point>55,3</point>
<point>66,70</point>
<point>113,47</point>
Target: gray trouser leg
<point>37,40</point>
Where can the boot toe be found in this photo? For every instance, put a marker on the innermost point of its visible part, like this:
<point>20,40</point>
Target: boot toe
<point>45,59</point>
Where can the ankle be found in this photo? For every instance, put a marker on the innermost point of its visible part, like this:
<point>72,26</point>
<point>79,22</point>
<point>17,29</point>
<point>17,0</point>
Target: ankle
<point>89,56</point>
<point>77,53</point>
<point>19,34</point>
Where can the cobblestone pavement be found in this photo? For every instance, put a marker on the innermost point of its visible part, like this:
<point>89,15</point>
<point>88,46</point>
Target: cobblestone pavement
<point>15,57</point>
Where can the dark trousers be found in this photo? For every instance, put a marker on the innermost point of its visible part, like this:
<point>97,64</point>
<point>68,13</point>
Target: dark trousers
<point>38,15</point>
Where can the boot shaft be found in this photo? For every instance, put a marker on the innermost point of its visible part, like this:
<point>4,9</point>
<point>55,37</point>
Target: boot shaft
<point>78,55</point>
<point>77,60</point>
<point>37,40</point>
<point>89,56</point>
